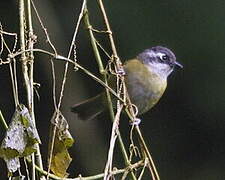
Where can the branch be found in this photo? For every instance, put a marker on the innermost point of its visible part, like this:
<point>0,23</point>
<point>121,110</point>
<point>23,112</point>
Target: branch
<point>27,68</point>
<point>62,58</point>
<point>98,176</point>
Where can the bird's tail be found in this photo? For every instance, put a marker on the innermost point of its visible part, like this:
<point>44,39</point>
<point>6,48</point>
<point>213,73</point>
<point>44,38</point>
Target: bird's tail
<point>89,109</point>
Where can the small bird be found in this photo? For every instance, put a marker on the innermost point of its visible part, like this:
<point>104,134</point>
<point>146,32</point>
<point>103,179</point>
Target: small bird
<point>145,79</point>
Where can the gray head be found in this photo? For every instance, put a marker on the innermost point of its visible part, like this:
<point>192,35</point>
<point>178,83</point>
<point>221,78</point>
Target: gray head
<point>160,59</point>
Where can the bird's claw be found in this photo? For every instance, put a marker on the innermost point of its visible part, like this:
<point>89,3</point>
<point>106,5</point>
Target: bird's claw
<point>136,121</point>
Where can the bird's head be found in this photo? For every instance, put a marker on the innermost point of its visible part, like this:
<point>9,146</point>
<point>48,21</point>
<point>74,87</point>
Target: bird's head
<point>159,59</point>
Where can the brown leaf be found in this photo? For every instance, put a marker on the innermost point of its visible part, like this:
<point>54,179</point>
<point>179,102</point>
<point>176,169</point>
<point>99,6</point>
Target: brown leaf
<point>63,140</point>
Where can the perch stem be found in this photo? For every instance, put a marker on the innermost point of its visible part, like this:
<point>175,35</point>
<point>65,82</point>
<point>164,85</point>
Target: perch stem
<point>102,71</point>
<point>154,172</point>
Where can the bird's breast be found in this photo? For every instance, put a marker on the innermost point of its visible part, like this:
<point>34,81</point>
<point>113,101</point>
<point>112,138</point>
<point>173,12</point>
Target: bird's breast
<point>145,87</point>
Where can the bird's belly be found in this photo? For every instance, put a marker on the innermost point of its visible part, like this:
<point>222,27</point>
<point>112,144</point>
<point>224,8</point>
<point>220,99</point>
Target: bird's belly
<point>145,95</point>
<point>143,98</point>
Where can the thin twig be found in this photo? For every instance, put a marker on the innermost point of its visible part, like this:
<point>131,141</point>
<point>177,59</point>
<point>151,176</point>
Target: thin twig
<point>70,51</point>
<point>30,69</point>
<point>53,130</point>
<point>146,149</point>
<point>101,47</point>
<point>11,61</point>
<point>143,169</point>
<point>53,84</point>
<point>93,42</point>
<point>114,134</point>
<point>73,43</point>
<point>27,169</point>
<point>43,27</point>
<point>22,28</point>
<point>62,58</point>
<point>2,120</point>
<point>14,81</point>
<point>98,176</point>
<point>7,33</point>
<point>3,41</point>
<point>108,29</point>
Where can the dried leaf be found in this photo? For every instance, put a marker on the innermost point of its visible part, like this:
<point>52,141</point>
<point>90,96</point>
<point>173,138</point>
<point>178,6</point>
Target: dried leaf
<point>63,140</point>
<point>20,138</point>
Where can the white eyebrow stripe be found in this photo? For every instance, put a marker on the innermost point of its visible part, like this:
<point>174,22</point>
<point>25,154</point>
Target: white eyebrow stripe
<point>159,54</point>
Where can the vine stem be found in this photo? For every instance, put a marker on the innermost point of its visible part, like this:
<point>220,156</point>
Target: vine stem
<point>62,58</point>
<point>57,107</point>
<point>27,69</point>
<point>97,176</point>
<point>115,127</point>
<point>2,120</point>
<point>104,76</point>
<point>118,63</point>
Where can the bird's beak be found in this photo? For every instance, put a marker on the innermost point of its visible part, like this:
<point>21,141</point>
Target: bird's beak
<point>178,64</point>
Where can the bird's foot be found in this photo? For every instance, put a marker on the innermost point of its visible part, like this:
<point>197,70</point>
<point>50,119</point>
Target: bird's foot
<point>135,121</point>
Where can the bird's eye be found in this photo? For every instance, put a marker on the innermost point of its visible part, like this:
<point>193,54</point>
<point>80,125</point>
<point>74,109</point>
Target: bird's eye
<point>165,57</point>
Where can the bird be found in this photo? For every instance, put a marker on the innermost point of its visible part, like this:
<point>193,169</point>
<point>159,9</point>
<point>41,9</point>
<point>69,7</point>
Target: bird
<point>145,79</point>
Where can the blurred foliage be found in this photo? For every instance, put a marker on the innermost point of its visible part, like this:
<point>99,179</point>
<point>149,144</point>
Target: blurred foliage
<point>186,130</point>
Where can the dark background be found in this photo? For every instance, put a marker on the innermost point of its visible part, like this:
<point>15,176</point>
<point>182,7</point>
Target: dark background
<point>186,130</point>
